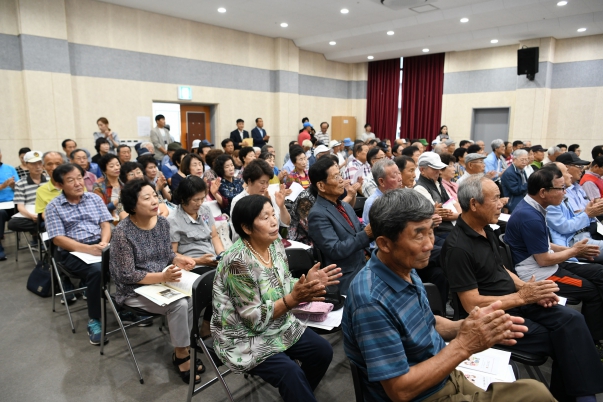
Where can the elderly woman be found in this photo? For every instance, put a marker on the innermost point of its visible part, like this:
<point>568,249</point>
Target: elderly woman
<point>269,158</point>
<point>253,328</point>
<point>210,175</point>
<point>151,171</point>
<point>130,171</point>
<point>140,250</point>
<point>226,186</point>
<point>459,167</point>
<point>300,172</point>
<point>179,175</point>
<point>447,175</point>
<point>246,155</point>
<point>109,188</point>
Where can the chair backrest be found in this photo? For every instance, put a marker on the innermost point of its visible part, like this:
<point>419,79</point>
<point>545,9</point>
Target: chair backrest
<point>357,382</point>
<point>359,206</point>
<point>505,254</point>
<point>202,295</point>
<point>300,261</point>
<point>435,301</point>
<point>105,272</point>
<point>457,306</point>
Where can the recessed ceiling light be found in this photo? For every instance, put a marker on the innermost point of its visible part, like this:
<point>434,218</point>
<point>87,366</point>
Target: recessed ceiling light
<point>581,29</point>
<point>284,24</point>
<point>221,10</point>
<point>494,41</point>
<point>370,57</point>
<point>332,43</point>
<point>344,11</point>
<point>425,50</point>
<point>390,33</point>
<point>562,3</point>
<point>463,20</point>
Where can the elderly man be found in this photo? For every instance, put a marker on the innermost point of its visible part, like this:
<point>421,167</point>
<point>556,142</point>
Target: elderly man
<point>167,165</point>
<point>514,180</point>
<point>387,177</point>
<point>80,158</point>
<point>551,155</point>
<point>419,145</point>
<point>450,146</point>
<point>482,145</point>
<point>591,182</point>
<point>440,148</point>
<point>474,267</point>
<point>68,146</point>
<point>495,161</point>
<point>538,157</point>
<point>390,333</point>
<point>527,144</point>
<point>358,165</point>
<point>124,153</point>
<point>474,164</point>
<point>323,136</point>
<point>369,185</point>
<point>50,190</point>
<point>535,257</point>
<point>79,221</point>
<point>333,225</point>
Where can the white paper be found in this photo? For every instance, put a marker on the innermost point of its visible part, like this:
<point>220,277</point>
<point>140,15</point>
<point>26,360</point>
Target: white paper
<point>562,300</point>
<point>159,294</point>
<point>45,236</point>
<point>333,320</point>
<point>600,228</point>
<point>87,258</point>
<point>186,282</point>
<point>30,208</point>
<point>494,226</point>
<point>296,244</point>
<point>504,217</point>
<point>273,189</point>
<point>7,205</point>
<point>296,189</point>
<point>491,365</point>
<point>214,208</point>
<point>357,174</point>
<point>144,126</point>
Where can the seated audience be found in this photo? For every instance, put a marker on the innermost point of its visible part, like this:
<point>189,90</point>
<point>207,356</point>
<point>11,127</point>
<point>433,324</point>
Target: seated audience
<point>407,167</point>
<point>49,191</point>
<point>154,176</point>
<point>228,146</point>
<point>246,155</point>
<point>79,157</point>
<point>475,149</point>
<point>387,176</point>
<point>535,257</point>
<point>22,168</point>
<point>358,165</point>
<point>298,229</point>
<point>146,147</point>
<point>205,147</point>
<point>167,165</point>
<point>102,148</point>
<point>332,224</point>
<point>140,250</point>
<point>476,272</point>
<point>551,155</point>
<point>260,335</point>
<point>596,151</point>
<point>209,174</point>
<point>25,196</point>
<point>591,182</point>
<point>474,164</point>
<point>575,148</point>
<point>390,333</point>
<point>276,178</point>
<point>459,166</point>
<point>288,164</point>
<point>79,221</point>
<point>68,146</point>
<point>8,178</point>
<point>517,144</point>
<point>508,155</point>
<point>109,188</point>
<point>237,161</point>
<point>514,180</point>
<point>299,173</point>
<point>130,171</point>
<point>179,175</point>
<point>495,161</point>
<point>447,175</point>
<point>226,186</point>
<point>369,185</point>
<point>538,157</point>
<point>124,153</point>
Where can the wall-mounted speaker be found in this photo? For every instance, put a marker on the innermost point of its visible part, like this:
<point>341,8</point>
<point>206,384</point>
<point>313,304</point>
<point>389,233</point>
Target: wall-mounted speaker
<point>527,62</point>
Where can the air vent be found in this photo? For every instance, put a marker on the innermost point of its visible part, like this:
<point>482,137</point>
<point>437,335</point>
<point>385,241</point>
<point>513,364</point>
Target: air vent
<point>424,9</point>
<point>405,4</point>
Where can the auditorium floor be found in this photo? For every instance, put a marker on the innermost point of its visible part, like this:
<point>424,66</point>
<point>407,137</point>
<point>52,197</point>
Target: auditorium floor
<point>43,361</point>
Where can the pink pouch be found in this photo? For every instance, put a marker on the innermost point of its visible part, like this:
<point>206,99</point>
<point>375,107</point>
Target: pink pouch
<point>313,311</point>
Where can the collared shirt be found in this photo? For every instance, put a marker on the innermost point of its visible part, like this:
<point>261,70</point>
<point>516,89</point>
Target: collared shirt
<point>590,188</point>
<point>564,223</point>
<point>577,198</point>
<point>25,190</point>
<point>355,165</point>
<point>6,172</point>
<point>368,186</point>
<point>80,222</point>
<point>229,190</point>
<point>368,204</point>
<point>193,236</point>
<point>528,170</point>
<point>388,327</point>
<point>89,181</point>
<point>323,137</point>
<point>95,170</point>
<point>44,194</point>
<point>494,163</point>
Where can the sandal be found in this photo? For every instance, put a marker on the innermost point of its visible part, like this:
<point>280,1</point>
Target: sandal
<point>185,375</point>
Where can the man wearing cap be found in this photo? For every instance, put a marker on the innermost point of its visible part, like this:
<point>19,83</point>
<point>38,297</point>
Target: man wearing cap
<point>25,195</point>
<point>167,166</point>
<point>335,147</point>
<point>204,147</point>
<point>474,164</point>
<point>591,182</point>
<point>538,157</point>
<point>567,225</point>
<point>305,134</point>
<point>239,134</point>
<point>322,135</point>
<point>450,145</point>
<point>514,180</point>
<point>318,153</point>
<point>348,146</point>
<point>160,137</point>
<point>260,138</point>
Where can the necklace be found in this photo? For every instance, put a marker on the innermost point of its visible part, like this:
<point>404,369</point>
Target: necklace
<point>268,263</point>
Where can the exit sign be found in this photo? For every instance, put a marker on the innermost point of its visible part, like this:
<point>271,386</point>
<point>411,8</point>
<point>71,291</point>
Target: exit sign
<point>185,93</point>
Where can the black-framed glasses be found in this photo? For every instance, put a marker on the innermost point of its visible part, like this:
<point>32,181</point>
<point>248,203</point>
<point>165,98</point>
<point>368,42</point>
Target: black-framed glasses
<point>556,188</point>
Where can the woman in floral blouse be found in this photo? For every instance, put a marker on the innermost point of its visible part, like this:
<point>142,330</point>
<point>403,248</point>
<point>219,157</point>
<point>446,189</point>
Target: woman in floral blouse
<point>300,173</point>
<point>253,328</point>
<point>226,186</point>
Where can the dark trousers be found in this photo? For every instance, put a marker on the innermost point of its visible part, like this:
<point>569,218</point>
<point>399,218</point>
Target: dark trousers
<point>297,383</point>
<point>590,293</point>
<point>23,225</point>
<point>4,217</point>
<point>91,274</point>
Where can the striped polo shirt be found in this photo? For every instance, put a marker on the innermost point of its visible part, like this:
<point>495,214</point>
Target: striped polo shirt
<point>388,327</point>
<point>25,190</point>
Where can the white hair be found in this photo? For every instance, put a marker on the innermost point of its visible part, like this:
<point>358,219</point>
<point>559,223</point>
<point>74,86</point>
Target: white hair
<point>553,150</point>
<point>519,152</point>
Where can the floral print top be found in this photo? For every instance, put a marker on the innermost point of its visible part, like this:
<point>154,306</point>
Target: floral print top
<point>229,190</point>
<point>298,228</point>
<point>244,293</point>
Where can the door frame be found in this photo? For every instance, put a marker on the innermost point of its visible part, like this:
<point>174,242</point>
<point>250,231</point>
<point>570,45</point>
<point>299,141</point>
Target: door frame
<point>485,108</point>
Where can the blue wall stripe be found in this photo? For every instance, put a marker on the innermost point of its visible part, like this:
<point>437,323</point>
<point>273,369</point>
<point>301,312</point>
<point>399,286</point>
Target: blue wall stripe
<point>10,53</point>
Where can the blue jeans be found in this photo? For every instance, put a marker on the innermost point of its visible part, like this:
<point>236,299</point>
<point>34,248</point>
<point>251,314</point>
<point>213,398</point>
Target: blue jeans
<point>297,383</point>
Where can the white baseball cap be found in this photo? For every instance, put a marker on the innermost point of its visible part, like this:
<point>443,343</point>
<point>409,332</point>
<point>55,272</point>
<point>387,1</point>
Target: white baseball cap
<point>432,160</point>
<point>196,144</point>
<point>32,157</point>
<point>334,143</point>
<point>320,149</point>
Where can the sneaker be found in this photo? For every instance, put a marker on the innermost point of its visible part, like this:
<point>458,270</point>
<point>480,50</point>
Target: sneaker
<point>2,254</point>
<point>128,317</point>
<point>84,295</point>
<point>94,332</point>
<point>70,299</point>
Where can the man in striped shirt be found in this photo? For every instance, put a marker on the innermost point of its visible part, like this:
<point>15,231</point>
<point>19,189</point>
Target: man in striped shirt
<point>392,336</point>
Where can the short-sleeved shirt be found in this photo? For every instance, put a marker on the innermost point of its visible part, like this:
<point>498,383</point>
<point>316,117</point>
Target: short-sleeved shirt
<point>6,172</point>
<point>229,190</point>
<point>472,261</point>
<point>388,327</point>
<point>44,194</point>
<point>25,190</point>
<point>80,222</point>
<point>527,234</point>
<point>193,236</point>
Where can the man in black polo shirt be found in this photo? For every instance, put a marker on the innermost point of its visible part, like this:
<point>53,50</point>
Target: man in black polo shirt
<point>476,272</point>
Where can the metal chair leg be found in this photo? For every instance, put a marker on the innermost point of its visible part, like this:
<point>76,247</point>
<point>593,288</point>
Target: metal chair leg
<point>206,351</point>
<point>541,376</point>
<point>191,383</point>
<point>123,331</point>
<point>103,324</point>
<point>56,270</point>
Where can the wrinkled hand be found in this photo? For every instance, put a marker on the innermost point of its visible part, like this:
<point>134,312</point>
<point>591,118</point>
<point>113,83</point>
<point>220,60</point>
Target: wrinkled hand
<point>327,276</point>
<point>8,182</point>
<point>215,185</point>
<point>96,249</point>
<point>172,274</point>
<point>584,250</point>
<point>369,231</point>
<point>184,262</point>
<point>537,292</point>
<point>443,212</point>
<point>359,180</point>
<point>594,209</point>
<point>488,326</point>
<point>437,220</point>
<point>504,200</point>
<point>161,182</point>
<point>280,195</point>
<point>491,174</point>
<point>307,291</point>
<point>207,260</point>
<point>282,175</point>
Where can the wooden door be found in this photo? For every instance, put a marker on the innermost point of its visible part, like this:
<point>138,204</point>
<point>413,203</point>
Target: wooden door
<point>195,121</point>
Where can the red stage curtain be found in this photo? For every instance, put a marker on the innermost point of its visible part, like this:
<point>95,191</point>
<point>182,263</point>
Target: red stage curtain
<point>382,93</point>
<point>422,88</point>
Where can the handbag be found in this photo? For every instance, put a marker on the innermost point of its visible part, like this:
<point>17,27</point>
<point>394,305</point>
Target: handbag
<point>313,311</point>
<point>39,280</point>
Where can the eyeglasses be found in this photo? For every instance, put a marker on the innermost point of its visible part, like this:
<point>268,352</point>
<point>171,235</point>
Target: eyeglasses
<point>556,188</point>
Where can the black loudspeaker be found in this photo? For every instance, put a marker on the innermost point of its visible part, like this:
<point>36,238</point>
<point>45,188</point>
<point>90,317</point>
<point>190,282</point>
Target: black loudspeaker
<point>527,62</point>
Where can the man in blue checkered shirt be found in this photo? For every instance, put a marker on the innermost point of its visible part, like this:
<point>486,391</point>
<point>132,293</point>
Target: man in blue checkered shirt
<point>80,221</point>
<point>392,336</point>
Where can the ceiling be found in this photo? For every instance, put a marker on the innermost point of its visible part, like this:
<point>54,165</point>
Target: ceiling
<point>362,32</point>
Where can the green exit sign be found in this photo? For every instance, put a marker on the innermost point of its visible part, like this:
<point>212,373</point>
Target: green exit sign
<point>185,93</point>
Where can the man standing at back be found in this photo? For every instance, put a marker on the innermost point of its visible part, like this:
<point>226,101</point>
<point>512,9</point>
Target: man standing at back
<point>239,134</point>
<point>260,138</point>
<point>160,138</point>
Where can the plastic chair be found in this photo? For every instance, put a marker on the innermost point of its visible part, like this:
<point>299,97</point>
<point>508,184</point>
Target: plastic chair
<point>358,388</point>
<point>202,296</point>
<point>359,206</point>
<point>300,261</point>
<point>106,297</point>
<point>435,301</point>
